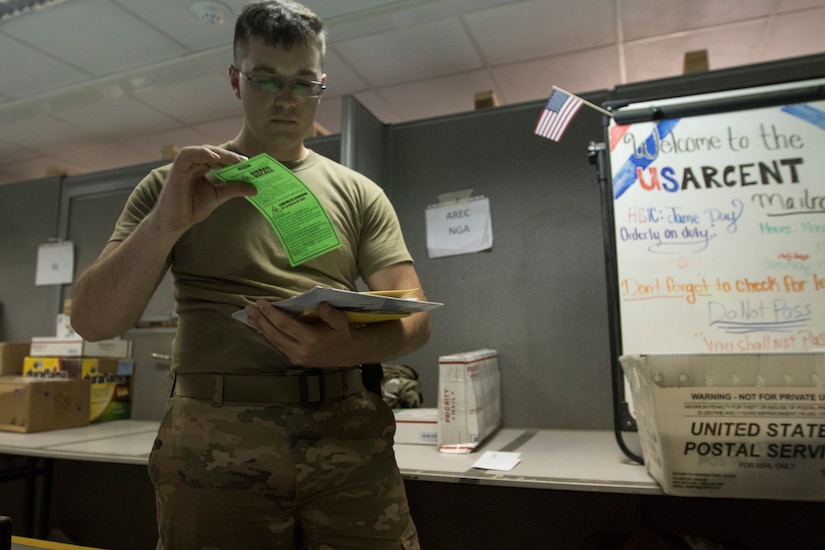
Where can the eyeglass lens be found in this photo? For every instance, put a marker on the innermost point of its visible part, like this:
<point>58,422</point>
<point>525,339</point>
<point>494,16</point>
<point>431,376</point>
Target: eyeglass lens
<point>273,84</point>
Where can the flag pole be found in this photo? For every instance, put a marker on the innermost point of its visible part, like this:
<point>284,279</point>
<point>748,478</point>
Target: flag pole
<point>591,105</point>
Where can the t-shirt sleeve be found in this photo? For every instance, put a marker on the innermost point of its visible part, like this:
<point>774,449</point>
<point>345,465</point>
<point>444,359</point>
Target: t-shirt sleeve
<point>382,241</point>
<point>140,202</point>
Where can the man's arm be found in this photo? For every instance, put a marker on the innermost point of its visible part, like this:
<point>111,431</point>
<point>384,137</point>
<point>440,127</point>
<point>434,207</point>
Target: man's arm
<point>111,294</point>
<point>333,342</point>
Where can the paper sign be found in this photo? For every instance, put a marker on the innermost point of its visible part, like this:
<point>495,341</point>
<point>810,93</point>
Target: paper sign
<point>459,228</point>
<point>498,460</point>
<point>294,212</point>
<point>55,263</point>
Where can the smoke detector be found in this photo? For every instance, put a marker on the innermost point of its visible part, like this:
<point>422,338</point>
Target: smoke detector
<point>211,13</point>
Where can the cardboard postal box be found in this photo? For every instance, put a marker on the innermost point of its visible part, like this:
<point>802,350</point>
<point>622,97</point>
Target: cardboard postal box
<point>732,425</point>
<point>38,404</point>
<point>51,367</point>
<point>111,391</point>
<point>469,399</point>
<point>416,426</point>
<point>111,381</point>
<point>11,357</point>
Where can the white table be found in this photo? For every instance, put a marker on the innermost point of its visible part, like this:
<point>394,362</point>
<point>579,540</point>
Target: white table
<point>119,441</point>
<point>550,459</point>
<point>585,460</point>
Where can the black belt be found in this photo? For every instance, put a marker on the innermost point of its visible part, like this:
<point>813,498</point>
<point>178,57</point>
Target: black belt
<point>312,387</point>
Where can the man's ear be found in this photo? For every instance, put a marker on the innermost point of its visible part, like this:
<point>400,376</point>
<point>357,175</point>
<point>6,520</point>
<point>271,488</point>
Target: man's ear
<point>235,81</point>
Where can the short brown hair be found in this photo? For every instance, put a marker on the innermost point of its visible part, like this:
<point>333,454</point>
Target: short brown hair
<point>282,23</point>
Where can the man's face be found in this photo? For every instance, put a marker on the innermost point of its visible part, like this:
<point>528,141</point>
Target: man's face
<point>276,122</point>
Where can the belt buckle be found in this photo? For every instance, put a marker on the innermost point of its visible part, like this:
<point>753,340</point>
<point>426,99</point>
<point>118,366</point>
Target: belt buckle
<point>303,379</point>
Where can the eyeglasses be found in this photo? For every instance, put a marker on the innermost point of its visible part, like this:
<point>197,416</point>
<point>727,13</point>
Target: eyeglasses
<point>303,89</point>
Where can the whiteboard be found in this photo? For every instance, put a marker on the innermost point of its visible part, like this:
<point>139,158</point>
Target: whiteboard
<point>719,227</point>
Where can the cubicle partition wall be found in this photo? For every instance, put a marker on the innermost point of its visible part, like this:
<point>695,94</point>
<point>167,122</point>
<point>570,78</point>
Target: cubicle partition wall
<point>28,218</point>
<point>538,296</point>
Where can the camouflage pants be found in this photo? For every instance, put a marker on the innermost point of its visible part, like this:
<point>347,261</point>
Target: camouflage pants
<point>281,476</point>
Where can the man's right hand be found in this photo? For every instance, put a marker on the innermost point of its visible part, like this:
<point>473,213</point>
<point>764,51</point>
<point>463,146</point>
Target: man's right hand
<point>188,197</point>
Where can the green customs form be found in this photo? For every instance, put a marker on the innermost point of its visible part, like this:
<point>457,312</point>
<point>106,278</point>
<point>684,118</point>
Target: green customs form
<point>294,212</point>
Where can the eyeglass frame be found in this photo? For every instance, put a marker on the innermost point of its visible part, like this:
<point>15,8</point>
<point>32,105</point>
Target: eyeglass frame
<point>283,84</point>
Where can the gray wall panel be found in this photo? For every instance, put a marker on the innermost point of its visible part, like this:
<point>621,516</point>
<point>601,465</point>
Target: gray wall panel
<point>28,218</point>
<point>329,146</point>
<point>539,296</point>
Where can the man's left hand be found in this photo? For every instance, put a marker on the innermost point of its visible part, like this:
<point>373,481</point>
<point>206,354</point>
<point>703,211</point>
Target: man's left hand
<point>323,342</point>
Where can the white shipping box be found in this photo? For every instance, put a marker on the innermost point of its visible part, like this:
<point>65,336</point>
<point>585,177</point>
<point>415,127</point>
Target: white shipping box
<point>47,346</point>
<point>469,399</point>
<point>732,425</point>
<point>416,426</point>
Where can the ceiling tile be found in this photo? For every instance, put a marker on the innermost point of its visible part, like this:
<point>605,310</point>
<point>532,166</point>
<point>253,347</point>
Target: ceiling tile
<point>96,156</point>
<point>436,96</point>
<point>528,30</point>
<point>28,72</point>
<point>194,100</point>
<point>331,9</point>
<point>397,56</point>
<point>354,23</point>
<point>341,77</point>
<point>174,19</point>
<point>220,130</point>
<point>646,18</point>
<point>793,5</point>
<point>39,166</point>
<point>793,34</point>
<point>95,36</point>
<point>43,132</point>
<point>110,116</point>
<point>151,146</point>
<point>11,151</point>
<point>577,72</point>
<point>378,106</point>
<point>726,46</point>
<point>26,169</point>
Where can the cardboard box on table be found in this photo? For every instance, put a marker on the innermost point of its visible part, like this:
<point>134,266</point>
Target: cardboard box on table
<point>49,346</point>
<point>416,426</point>
<point>732,425</point>
<point>11,357</point>
<point>469,399</point>
<point>37,404</point>
<point>111,381</point>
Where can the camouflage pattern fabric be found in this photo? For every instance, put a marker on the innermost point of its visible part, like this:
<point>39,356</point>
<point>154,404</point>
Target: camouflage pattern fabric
<point>281,476</point>
<point>400,387</point>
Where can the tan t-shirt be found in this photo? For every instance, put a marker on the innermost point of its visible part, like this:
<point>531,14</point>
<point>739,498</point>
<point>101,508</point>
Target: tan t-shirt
<point>234,257</point>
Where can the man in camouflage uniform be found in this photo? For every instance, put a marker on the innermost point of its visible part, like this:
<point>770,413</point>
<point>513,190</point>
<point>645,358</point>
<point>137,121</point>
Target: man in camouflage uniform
<point>269,439</point>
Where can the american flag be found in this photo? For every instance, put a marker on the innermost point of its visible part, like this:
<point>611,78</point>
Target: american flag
<point>557,114</point>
